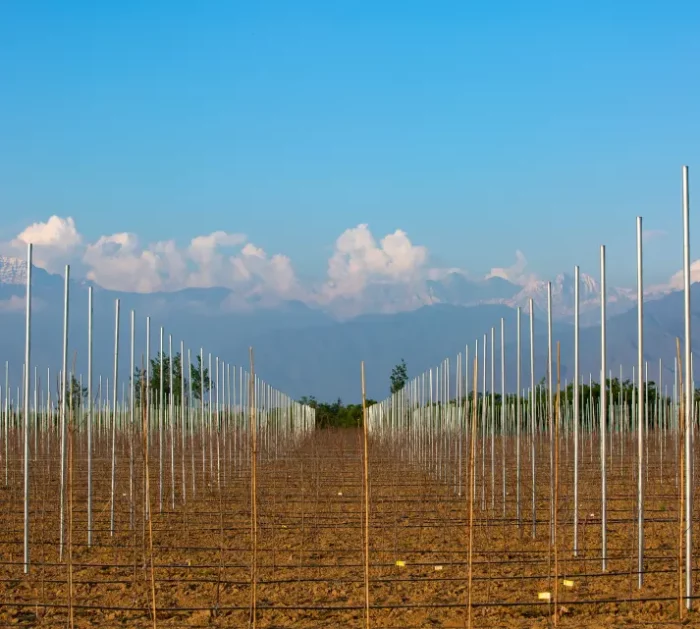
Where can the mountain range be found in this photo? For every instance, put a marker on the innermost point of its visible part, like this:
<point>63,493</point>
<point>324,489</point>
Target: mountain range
<point>307,350</point>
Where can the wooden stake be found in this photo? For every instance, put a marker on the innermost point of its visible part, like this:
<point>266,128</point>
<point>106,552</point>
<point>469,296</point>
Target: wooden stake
<point>556,487</point>
<point>147,497</point>
<point>253,494</point>
<point>365,489</point>
<point>70,500</point>
<point>681,493</point>
<point>217,603</point>
<point>472,451</point>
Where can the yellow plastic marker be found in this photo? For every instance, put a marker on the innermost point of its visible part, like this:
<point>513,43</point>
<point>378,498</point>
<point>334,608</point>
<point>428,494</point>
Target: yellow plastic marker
<point>401,564</point>
<point>568,584</point>
<point>438,568</point>
<point>544,596</point>
<point>340,493</point>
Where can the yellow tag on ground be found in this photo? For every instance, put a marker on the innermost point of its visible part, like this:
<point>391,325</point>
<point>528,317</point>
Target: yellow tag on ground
<point>544,596</point>
<point>340,493</point>
<point>438,568</point>
<point>568,584</point>
<point>401,564</point>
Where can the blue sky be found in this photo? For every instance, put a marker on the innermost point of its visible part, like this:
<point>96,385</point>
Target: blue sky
<point>478,128</point>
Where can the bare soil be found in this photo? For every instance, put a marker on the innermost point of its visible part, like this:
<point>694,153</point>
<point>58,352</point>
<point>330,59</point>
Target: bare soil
<point>310,570</point>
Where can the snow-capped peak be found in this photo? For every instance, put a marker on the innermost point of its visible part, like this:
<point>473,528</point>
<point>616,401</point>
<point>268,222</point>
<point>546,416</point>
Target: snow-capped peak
<point>590,284</point>
<point>13,271</point>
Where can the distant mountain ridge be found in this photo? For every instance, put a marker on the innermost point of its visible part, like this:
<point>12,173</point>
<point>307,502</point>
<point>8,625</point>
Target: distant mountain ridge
<point>458,290</point>
<point>454,288</point>
<point>306,350</point>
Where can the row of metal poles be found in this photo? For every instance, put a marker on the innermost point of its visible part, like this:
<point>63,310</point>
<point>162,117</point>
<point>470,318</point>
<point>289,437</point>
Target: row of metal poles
<point>434,412</point>
<point>218,405</point>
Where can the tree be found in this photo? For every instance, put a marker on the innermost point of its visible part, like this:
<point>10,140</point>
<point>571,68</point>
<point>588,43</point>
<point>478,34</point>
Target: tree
<point>336,414</point>
<point>154,380</point>
<point>399,377</point>
<point>308,400</point>
<point>75,394</point>
<point>196,378</point>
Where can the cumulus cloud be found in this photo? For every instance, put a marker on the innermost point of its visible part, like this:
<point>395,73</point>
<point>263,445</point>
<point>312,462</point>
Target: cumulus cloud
<point>55,243</point>
<point>360,267</point>
<point>118,262</point>
<point>358,261</point>
<point>275,271</point>
<point>515,273</point>
<point>122,262</point>
<point>212,265</point>
<point>676,281</point>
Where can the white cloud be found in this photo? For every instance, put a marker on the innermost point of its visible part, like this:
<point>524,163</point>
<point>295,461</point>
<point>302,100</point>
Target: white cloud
<point>122,262</point>
<point>276,272</point>
<point>118,262</point>
<point>360,270</point>
<point>55,243</point>
<point>251,266</point>
<point>514,273</point>
<point>676,281</point>
<point>211,266</point>
<point>358,261</point>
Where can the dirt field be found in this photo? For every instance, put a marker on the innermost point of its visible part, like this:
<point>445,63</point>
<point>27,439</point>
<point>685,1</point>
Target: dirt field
<point>310,570</point>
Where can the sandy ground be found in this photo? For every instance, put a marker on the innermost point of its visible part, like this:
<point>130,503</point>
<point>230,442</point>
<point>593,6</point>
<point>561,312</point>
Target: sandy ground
<point>310,542</point>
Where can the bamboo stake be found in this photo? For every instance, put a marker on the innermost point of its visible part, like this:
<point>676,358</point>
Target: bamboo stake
<point>680,436</point>
<point>43,610</point>
<point>253,492</point>
<point>365,488</point>
<point>147,499</point>
<point>471,496</point>
<point>70,502</point>
<point>217,603</point>
<point>556,487</point>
